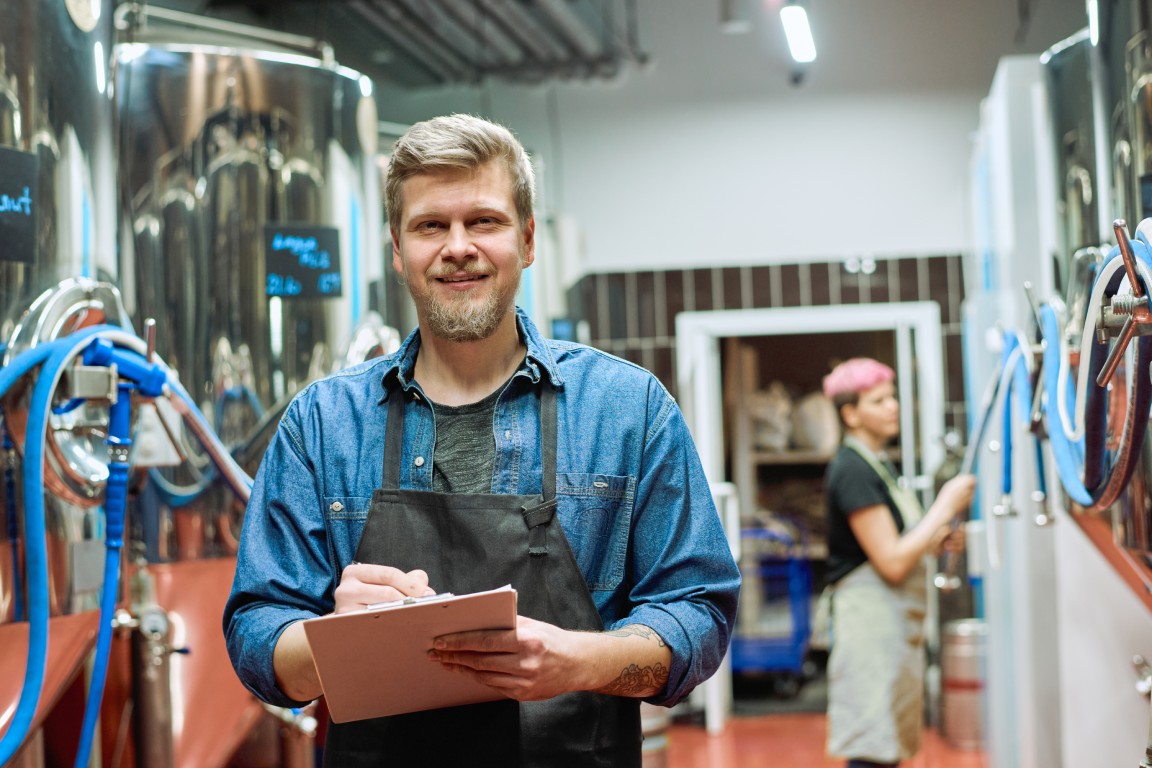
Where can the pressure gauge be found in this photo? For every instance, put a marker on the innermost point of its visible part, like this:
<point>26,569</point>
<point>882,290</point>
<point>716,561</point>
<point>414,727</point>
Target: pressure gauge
<point>154,623</point>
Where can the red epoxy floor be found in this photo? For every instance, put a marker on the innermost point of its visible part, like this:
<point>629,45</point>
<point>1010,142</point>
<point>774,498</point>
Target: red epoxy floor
<point>788,741</point>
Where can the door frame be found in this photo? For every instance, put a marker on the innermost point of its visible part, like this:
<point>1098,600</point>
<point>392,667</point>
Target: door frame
<point>699,378</point>
<point>700,391</point>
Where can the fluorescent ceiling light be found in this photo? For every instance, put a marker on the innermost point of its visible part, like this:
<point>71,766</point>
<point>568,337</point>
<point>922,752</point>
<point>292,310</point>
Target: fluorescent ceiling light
<point>799,34</point>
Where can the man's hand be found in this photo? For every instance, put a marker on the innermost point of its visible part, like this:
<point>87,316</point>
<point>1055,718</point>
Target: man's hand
<point>537,660</point>
<point>362,584</point>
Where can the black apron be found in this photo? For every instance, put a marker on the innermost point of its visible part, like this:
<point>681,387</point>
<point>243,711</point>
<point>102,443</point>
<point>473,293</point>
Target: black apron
<point>473,542</point>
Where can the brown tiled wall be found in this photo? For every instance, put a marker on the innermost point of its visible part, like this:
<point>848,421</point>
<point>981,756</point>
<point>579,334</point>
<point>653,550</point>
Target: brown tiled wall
<point>633,314</point>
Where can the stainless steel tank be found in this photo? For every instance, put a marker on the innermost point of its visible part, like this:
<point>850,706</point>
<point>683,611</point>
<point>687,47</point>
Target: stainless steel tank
<point>1126,53</point>
<point>1068,77</point>
<point>57,237</point>
<point>1130,31</point>
<point>252,237</point>
<point>1117,19</point>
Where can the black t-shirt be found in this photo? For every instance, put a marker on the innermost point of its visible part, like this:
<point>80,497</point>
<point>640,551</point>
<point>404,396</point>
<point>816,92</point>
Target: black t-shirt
<point>465,453</point>
<point>851,484</point>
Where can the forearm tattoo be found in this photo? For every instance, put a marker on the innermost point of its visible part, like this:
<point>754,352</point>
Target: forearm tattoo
<point>635,680</point>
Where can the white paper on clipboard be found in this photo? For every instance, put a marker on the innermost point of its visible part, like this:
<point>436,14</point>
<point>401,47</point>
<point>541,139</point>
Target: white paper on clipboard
<point>374,662</point>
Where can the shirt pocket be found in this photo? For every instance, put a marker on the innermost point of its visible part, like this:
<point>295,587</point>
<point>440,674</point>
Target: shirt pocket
<point>344,516</point>
<point>596,514</point>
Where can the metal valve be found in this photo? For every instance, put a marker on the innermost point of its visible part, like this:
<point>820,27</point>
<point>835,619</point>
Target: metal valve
<point>1042,518</point>
<point>1004,508</point>
<point>1134,307</point>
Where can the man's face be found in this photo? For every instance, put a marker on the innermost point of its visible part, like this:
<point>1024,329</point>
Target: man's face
<point>460,246</point>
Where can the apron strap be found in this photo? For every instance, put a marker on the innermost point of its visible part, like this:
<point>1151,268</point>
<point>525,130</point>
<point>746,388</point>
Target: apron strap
<point>904,499</point>
<point>548,441</point>
<point>394,441</point>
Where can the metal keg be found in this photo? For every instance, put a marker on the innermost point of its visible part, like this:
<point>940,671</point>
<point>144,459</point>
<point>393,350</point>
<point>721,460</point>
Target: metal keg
<point>962,672</point>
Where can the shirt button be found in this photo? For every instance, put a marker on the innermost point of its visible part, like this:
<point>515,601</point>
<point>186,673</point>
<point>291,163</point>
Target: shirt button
<point>419,461</point>
<point>508,434</point>
<point>336,506</point>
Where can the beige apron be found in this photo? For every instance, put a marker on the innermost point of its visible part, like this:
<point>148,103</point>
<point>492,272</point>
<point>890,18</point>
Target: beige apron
<point>876,667</point>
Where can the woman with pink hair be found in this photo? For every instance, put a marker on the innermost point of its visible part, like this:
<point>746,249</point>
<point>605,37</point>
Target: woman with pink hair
<point>878,536</point>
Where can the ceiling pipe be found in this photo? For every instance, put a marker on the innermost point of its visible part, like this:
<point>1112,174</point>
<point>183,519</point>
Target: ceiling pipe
<point>460,40</point>
<point>439,72</point>
<point>574,30</point>
<point>480,23</point>
<point>526,29</point>
<point>428,44</point>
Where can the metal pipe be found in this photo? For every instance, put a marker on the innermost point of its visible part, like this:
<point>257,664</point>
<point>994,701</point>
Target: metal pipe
<point>459,39</point>
<point>526,29</point>
<point>574,30</point>
<point>297,736</point>
<point>151,688</point>
<point>412,24</point>
<point>134,16</point>
<point>474,18</point>
<point>414,45</point>
<point>211,444</point>
<point>438,71</point>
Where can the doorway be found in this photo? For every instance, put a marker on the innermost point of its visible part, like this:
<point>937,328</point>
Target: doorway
<point>799,341</point>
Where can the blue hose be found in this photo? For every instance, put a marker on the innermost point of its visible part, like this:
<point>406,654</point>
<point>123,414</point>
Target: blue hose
<point>1069,454</point>
<point>115,509</point>
<point>1020,383</point>
<point>55,355</point>
<point>1091,475</point>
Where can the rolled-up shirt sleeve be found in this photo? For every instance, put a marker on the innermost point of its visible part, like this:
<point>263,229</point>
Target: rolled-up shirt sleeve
<point>686,584</point>
<point>283,572</point>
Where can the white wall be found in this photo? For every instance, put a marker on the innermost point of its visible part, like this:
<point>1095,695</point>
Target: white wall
<point>1102,626</point>
<point>707,156</point>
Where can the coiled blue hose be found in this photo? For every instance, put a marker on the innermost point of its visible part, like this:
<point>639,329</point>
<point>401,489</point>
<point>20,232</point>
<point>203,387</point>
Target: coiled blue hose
<point>52,357</point>
<point>1019,382</point>
<point>1091,475</point>
<point>1068,453</point>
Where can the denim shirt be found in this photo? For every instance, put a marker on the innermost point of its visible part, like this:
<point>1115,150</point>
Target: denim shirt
<point>632,500</point>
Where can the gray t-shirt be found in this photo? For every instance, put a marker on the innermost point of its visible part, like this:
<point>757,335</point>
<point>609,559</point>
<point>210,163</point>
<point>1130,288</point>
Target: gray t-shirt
<point>465,453</point>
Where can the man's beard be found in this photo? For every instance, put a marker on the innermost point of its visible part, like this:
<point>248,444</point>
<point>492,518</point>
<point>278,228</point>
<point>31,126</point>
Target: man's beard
<point>464,319</point>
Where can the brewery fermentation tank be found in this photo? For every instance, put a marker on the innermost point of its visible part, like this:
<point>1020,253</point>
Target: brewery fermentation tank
<point>1067,69</point>
<point>252,237</point>
<point>57,238</point>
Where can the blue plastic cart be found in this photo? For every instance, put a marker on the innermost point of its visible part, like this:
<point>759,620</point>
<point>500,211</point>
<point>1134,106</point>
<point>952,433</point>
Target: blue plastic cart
<point>773,632</point>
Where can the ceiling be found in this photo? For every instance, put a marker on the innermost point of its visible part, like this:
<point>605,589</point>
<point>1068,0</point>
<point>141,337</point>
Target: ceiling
<point>722,45</point>
<point>430,43</point>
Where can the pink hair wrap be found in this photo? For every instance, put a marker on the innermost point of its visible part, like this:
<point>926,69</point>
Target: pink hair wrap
<point>856,375</point>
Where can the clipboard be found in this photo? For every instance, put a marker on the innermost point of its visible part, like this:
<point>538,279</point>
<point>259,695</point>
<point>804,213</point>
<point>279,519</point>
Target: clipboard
<point>374,663</point>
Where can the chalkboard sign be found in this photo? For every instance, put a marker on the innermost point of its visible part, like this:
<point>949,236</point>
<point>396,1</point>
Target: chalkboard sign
<point>302,261</point>
<point>18,208</point>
